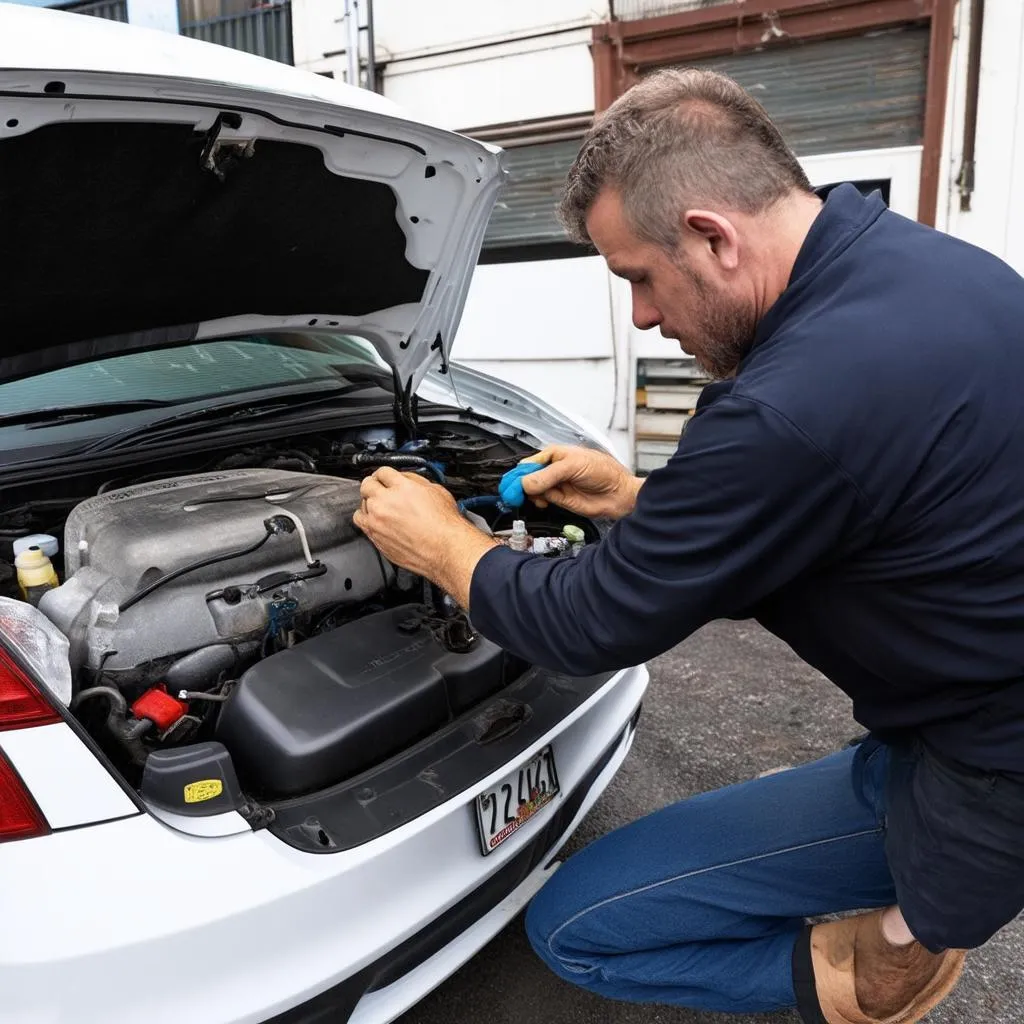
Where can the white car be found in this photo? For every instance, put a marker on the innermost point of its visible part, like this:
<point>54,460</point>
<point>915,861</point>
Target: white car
<point>250,771</point>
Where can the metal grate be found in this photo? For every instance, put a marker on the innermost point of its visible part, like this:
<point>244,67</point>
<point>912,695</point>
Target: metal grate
<point>265,31</point>
<point>837,95</point>
<point>112,10</point>
<point>526,211</point>
<point>634,10</point>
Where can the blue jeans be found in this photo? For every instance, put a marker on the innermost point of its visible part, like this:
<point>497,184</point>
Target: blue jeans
<point>700,904</point>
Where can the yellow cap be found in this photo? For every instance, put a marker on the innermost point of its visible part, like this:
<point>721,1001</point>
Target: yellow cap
<point>34,570</point>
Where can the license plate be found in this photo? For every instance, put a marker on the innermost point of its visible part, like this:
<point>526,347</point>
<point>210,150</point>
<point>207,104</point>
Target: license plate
<point>511,803</point>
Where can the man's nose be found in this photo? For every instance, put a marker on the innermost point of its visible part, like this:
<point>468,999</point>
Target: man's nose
<point>645,316</point>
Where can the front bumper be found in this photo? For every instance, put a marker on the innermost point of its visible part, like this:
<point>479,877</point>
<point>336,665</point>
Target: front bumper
<point>133,920</point>
<point>412,968</point>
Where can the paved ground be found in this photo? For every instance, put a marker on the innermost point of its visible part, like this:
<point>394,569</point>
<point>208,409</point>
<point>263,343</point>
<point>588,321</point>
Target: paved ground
<point>730,702</point>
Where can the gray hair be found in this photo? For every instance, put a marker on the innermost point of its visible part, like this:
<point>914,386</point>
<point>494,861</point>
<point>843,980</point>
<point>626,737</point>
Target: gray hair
<point>677,139</point>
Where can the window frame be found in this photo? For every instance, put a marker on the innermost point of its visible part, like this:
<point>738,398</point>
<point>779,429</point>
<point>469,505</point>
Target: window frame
<point>624,50</point>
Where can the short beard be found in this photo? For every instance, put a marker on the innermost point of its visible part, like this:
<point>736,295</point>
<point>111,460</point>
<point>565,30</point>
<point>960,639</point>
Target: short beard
<point>727,330</point>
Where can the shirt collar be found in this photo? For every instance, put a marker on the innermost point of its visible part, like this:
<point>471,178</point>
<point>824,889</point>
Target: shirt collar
<point>845,215</point>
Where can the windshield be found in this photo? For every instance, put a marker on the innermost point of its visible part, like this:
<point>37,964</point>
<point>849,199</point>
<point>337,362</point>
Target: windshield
<point>188,373</point>
<point>56,413</point>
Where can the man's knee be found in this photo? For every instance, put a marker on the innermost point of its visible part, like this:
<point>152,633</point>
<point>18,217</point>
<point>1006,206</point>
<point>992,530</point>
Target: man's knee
<point>550,920</point>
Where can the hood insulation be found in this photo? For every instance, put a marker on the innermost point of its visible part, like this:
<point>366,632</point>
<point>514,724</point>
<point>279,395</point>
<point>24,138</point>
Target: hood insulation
<point>112,229</point>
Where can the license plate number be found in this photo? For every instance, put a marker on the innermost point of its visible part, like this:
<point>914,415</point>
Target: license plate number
<point>506,807</point>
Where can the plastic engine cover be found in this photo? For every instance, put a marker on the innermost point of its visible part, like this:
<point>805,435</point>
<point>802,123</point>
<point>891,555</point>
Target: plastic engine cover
<point>332,706</point>
<point>120,541</point>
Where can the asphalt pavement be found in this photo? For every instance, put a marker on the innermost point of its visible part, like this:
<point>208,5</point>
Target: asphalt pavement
<point>730,702</point>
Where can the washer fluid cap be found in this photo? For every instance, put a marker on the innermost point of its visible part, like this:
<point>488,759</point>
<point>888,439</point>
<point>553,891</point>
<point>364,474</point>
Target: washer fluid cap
<point>44,541</point>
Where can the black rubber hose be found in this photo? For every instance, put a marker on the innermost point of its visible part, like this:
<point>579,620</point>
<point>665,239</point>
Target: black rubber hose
<point>398,461</point>
<point>116,698</point>
<point>201,564</point>
<point>127,731</point>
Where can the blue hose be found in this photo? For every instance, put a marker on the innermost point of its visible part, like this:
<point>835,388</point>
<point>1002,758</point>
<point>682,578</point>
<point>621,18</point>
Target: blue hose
<point>483,501</point>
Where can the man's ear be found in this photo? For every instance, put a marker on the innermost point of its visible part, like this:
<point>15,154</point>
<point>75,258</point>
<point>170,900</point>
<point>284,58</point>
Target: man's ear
<point>716,232</point>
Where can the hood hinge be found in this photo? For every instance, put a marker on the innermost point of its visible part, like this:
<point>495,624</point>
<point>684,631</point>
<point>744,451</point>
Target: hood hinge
<point>438,346</point>
<point>219,156</point>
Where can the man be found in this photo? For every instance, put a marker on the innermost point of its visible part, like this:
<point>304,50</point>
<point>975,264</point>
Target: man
<point>855,482</point>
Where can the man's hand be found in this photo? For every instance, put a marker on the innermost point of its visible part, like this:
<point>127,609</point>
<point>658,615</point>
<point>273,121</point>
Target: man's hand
<point>584,481</point>
<point>417,525</point>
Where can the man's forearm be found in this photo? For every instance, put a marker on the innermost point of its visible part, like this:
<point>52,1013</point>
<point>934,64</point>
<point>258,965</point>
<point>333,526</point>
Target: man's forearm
<point>635,483</point>
<point>463,548</point>
<point>458,560</point>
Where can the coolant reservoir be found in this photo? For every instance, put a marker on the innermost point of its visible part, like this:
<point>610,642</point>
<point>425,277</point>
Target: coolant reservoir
<point>36,574</point>
<point>48,544</point>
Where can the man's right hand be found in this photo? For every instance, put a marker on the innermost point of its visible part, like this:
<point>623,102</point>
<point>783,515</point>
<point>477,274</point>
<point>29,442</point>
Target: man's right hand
<point>581,480</point>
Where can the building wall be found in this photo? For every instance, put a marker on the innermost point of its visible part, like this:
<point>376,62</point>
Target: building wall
<point>462,63</point>
<point>562,327</point>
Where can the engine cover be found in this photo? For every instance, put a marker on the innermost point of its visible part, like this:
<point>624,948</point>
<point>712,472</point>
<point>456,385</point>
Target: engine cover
<point>119,542</point>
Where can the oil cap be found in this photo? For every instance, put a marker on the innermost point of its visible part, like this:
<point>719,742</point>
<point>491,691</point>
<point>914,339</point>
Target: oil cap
<point>197,780</point>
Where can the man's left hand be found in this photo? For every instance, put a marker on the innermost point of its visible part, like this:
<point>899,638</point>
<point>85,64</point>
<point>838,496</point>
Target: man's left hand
<point>417,525</point>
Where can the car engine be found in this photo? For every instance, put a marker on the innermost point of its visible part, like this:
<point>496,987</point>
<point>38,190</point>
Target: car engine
<point>230,619</point>
<point>222,561</point>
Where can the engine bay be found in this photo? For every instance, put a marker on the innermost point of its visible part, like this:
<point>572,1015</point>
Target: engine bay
<point>226,620</point>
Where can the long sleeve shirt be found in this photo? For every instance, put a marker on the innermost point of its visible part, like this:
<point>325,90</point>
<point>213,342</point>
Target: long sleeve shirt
<point>857,487</point>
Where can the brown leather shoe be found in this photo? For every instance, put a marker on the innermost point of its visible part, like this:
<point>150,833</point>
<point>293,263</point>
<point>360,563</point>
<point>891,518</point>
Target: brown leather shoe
<point>862,978</point>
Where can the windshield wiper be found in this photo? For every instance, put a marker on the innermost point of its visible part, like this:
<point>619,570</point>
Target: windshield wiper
<point>34,419</point>
<point>183,423</point>
<point>360,372</point>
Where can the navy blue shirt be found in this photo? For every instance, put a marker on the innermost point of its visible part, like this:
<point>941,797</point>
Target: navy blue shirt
<point>858,488</point>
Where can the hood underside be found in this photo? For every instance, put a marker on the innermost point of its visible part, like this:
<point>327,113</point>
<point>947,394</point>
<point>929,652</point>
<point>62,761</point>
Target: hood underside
<point>118,229</point>
<point>147,211</point>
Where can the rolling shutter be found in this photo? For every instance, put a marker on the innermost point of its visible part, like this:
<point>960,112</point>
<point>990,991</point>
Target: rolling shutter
<point>526,211</point>
<point>838,95</point>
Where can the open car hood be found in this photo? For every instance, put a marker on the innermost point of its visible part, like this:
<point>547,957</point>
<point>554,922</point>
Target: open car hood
<point>156,189</point>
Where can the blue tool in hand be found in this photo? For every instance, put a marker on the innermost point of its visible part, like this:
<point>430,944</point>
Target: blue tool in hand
<point>510,490</point>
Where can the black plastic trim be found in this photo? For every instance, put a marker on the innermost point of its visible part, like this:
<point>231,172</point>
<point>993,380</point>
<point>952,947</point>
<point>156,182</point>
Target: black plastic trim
<point>221,435</point>
<point>430,773</point>
<point>335,1005</point>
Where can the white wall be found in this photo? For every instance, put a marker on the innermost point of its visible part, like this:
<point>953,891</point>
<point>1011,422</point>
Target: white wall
<point>996,218</point>
<point>466,63</point>
<point>157,14</point>
<point>318,28</point>
<point>516,81</point>
<point>406,28</point>
<point>549,326</point>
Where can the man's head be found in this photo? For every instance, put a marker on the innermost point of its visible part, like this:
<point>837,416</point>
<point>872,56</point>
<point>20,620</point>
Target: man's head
<point>690,193</point>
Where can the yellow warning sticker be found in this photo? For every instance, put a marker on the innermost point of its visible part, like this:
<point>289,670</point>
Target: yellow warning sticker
<point>206,789</point>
